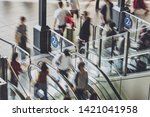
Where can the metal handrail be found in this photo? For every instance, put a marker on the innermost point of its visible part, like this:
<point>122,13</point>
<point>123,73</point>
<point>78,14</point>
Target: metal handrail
<point>130,56</point>
<point>7,42</point>
<point>136,17</point>
<point>24,51</point>
<point>14,46</point>
<point>105,76</point>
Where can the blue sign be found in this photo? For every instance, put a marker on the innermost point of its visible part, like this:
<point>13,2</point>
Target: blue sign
<point>128,22</point>
<point>54,41</point>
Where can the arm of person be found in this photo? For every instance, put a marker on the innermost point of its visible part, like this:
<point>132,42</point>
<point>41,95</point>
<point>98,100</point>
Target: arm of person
<point>55,21</point>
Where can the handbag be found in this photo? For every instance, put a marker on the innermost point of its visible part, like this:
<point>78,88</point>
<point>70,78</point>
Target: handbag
<point>17,37</point>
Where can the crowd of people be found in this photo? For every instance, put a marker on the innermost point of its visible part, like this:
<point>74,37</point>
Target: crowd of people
<point>62,17</point>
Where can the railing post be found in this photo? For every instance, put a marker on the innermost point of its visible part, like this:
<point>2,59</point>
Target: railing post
<point>13,48</point>
<point>149,92</point>
<point>94,35</point>
<point>100,53</point>
<point>86,49</point>
<point>125,60</point>
<point>136,30</point>
<point>61,45</point>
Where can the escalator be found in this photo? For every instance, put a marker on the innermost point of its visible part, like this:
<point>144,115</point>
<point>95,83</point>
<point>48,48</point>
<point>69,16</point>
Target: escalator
<point>97,76</point>
<point>55,88</point>
<point>94,84</point>
<point>70,80</point>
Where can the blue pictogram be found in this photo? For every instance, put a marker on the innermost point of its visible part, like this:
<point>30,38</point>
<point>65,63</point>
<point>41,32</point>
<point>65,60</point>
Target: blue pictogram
<point>54,41</point>
<point>128,22</point>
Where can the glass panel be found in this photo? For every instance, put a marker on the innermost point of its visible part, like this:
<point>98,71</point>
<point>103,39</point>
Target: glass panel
<point>59,43</point>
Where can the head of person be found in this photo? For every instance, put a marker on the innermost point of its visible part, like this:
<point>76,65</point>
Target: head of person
<point>14,56</point>
<point>81,66</point>
<point>107,1</point>
<point>66,52</point>
<point>85,14</point>
<point>44,67</point>
<point>22,19</point>
<point>144,29</point>
<point>60,4</point>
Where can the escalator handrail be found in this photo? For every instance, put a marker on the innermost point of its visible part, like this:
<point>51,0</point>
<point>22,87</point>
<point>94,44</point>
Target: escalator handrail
<point>105,76</point>
<point>52,78</point>
<point>7,42</point>
<point>16,90</point>
<point>76,72</point>
<point>64,78</point>
<point>95,85</point>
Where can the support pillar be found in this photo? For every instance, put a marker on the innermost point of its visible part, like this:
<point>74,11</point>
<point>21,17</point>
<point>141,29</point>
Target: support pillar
<point>41,31</point>
<point>3,79</point>
<point>117,16</point>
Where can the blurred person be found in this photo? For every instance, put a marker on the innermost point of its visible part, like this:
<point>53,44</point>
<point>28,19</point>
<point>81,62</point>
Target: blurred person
<point>74,7</point>
<point>22,39</point>
<point>143,31</point>
<point>69,20</point>
<point>64,63</point>
<point>140,4</point>
<point>145,41</point>
<point>84,33</point>
<point>16,66</point>
<point>42,80</point>
<point>106,11</point>
<point>59,16</point>
<point>81,82</point>
<point>96,4</point>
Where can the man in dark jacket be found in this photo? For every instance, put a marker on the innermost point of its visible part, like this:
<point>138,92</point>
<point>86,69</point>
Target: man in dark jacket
<point>84,33</point>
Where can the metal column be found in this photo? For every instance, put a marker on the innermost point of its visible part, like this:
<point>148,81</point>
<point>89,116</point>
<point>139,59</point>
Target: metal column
<point>41,31</point>
<point>117,15</point>
<point>3,75</point>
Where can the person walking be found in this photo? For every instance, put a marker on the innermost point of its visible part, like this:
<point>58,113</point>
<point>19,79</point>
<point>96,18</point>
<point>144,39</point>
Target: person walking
<point>140,4</point>
<point>64,63</point>
<point>21,36</point>
<point>16,69</point>
<point>106,11</point>
<point>81,82</point>
<point>59,16</point>
<point>42,80</point>
<point>74,7</point>
<point>84,33</point>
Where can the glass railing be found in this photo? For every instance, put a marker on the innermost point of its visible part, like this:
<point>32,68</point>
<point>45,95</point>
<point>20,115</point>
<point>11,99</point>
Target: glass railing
<point>99,77</point>
<point>59,43</point>
<point>54,88</point>
<point>11,48</point>
<point>136,24</point>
